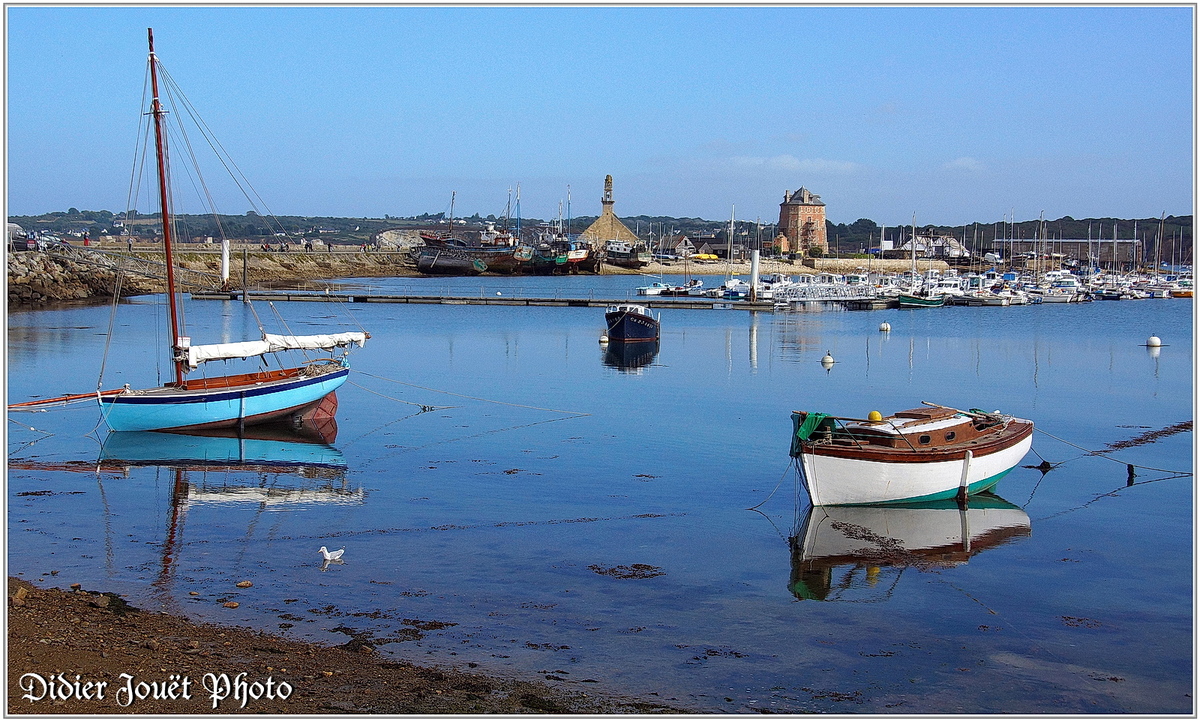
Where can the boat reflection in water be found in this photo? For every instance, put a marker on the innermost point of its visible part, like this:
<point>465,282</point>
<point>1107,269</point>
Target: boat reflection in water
<point>857,553</point>
<point>267,466</point>
<point>630,356</point>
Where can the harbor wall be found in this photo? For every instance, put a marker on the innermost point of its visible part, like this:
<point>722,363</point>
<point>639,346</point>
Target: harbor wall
<point>36,277</point>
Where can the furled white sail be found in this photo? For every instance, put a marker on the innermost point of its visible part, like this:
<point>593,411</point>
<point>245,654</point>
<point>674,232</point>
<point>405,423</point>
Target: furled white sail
<point>271,343</point>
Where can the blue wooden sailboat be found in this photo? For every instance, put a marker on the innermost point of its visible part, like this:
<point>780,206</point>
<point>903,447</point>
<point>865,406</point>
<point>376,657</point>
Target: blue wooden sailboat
<point>225,401</point>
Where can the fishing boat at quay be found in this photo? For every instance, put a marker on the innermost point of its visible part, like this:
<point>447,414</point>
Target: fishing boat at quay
<point>917,455</point>
<point>629,322</point>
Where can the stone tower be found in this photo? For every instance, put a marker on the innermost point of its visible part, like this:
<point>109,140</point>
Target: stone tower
<point>608,227</point>
<point>802,220</point>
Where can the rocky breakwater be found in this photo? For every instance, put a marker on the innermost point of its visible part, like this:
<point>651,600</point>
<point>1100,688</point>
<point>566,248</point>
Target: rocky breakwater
<point>36,278</point>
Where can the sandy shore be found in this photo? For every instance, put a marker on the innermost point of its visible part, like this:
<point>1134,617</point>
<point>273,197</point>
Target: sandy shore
<point>79,652</point>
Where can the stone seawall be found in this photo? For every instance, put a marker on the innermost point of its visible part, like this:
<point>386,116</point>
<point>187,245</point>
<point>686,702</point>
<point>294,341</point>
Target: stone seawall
<point>37,278</point>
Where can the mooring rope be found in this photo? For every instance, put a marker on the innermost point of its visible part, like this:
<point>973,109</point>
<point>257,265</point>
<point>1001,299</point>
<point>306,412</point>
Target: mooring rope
<point>1109,458</point>
<point>423,407</point>
<point>777,484</point>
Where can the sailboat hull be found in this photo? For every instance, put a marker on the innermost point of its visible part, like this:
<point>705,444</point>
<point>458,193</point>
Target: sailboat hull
<point>170,408</point>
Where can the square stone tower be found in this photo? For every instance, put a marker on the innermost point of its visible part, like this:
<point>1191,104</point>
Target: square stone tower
<point>802,221</point>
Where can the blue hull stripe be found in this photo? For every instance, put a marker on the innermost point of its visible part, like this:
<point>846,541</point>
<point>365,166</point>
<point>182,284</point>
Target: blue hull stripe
<point>215,396</point>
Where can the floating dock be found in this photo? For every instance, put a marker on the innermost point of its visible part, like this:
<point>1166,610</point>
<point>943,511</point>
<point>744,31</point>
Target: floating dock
<point>367,297</point>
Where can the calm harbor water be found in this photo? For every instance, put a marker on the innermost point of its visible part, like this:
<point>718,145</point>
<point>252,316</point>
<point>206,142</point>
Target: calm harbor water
<point>515,499</point>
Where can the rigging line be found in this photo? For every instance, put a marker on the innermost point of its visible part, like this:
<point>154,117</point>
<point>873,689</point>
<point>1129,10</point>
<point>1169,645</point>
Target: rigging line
<point>1109,458</point>
<point>424,407</point>
<point>257,320</point>
<point>171,89</point>
<point>781,477</point>
<point>139,148</point>
<point>283,322</point>
<point>197,177</point>
<point>475,398</point>
<point>112,318</point>
<point>222,155</point>
<point>346,308</point>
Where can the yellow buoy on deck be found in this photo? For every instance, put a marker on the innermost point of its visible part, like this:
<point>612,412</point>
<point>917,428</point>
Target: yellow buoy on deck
<point>874,416</point>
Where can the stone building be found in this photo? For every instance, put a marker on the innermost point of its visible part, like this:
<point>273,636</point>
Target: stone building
<point>608,227</point>
<point>802,222</point>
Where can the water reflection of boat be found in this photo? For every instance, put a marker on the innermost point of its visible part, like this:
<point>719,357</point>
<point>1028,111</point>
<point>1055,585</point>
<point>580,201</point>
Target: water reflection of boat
<point>153,448</point>
<point>858,552</point>
<point>630,355</point>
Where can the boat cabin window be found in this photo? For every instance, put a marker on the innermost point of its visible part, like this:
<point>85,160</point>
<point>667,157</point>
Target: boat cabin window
<point>950,435</point>
<point>923,439</point>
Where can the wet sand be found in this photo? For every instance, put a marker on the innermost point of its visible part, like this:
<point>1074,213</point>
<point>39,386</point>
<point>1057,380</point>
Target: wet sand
<point>79,652</point>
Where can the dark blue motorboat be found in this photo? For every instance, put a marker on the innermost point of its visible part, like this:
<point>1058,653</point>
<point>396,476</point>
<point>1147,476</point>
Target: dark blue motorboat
<point>630,322</point>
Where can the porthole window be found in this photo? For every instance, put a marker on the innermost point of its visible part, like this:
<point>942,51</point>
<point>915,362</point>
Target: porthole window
<point>950,435</point>
<point>923,439</point>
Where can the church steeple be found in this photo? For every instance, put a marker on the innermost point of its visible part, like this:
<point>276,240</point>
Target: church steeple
<point>608,227</point>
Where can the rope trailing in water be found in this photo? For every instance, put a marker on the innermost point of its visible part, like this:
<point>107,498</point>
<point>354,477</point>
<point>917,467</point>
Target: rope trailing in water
<point>423,407</point>
<point>1109,458</point>
<point>473,398</point>
<point>777,484</point>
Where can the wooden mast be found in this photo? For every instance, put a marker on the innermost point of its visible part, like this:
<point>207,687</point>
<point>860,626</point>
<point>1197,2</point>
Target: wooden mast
<point>160,146</point>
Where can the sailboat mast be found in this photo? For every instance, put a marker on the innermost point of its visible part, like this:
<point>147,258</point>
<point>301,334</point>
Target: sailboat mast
<point>160,147</point>
<point>1158,246</point>
<point>729,245</point>
<point>914,251</point>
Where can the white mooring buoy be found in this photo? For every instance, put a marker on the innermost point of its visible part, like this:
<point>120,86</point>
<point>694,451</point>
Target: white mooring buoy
<point>885,327</point>
<point>827,361</point>
<point>1154,342</point>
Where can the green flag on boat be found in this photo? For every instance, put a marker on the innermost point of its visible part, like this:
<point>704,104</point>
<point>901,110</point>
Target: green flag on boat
<point>804,425</point>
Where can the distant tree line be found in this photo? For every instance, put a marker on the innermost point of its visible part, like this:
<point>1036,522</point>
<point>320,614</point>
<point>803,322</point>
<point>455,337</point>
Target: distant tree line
<point>844,238</point>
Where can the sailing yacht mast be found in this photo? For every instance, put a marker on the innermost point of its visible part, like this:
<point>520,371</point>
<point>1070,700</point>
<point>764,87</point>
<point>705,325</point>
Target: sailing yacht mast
<point>913,244</point>
<point>160,147</point>
<point>729,245</point>
<point>1158,246</point>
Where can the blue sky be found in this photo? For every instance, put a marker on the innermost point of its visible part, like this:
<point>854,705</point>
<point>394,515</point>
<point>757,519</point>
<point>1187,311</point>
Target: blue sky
<point>956,114</point>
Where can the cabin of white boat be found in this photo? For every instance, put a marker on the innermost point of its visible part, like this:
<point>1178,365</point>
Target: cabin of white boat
<point>626,308</point>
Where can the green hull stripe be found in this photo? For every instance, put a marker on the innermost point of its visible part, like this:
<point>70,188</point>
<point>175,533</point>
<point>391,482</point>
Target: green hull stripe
<point>975,488</point>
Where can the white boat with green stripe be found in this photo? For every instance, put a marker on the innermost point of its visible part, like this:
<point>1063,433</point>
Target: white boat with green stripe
<point>912,456</point>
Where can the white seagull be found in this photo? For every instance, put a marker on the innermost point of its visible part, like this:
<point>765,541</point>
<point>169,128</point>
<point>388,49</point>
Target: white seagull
<point>331,556</point>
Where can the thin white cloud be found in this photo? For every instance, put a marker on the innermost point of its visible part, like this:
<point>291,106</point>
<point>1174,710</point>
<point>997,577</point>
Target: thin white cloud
<point>964,163</point>
<point>792,164</point>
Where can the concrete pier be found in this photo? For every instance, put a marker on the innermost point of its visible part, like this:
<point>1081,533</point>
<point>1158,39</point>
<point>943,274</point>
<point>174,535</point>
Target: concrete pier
<point>650,302</point>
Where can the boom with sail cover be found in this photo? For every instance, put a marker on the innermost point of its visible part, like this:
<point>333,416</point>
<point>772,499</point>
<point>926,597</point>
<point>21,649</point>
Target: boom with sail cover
<point>271,343</point>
